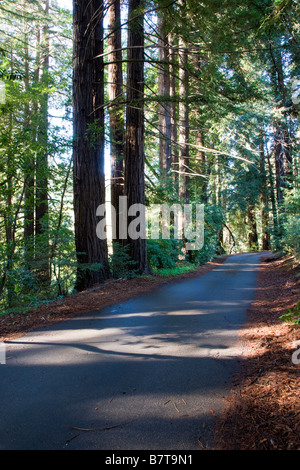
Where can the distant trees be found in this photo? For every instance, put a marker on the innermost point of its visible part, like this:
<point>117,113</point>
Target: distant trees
<point>30,191</point>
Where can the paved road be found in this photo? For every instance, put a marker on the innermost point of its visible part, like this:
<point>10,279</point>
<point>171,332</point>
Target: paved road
<point>149,371</point>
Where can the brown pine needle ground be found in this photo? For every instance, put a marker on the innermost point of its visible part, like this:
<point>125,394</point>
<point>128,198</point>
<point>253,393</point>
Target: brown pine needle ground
<point>263,410</point>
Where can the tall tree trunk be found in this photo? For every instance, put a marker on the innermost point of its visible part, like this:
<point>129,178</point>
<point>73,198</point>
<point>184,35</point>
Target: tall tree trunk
<point>199,134</point>
<point>264,198</point>
<point>183,125</point>
<point>282,155</point>
<point>270,176</point>
<point>116,111</point>
<point>41,192</point>
<point>88,149</point>
<point>164,116</point>
<point>202,170</point>
<point>183,138</point>
<point>218,202</point>
<point>218,188</point>
<point>29,170</point>
<point>8,214</point>
<point>134,146</point>
<point>282,159</point>
<point>252,235</point>
<point>173,109</point>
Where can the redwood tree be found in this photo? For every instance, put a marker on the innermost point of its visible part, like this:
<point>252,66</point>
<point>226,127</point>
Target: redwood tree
<point>41,190</point>
<point>116,109</point>
<point>134,145</point>
<point>164,111</point>
<point>88,148</point>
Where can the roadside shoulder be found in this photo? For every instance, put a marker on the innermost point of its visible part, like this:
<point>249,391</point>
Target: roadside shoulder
<point>262,412</point>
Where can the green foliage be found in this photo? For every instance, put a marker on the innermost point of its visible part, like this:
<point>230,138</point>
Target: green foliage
<point>163,254</point>
<point>292,315</point>
<point>121,264</point>
<point>179,269</point>
<point>291,236</point>
<point>291,223</point>
<point>36,265</point>
<point>62,257</point>
<point>214,219</point>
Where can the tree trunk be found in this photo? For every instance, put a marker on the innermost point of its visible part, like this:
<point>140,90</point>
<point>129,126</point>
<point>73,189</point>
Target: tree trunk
<point>164,116</point>
<point>183,125</point>
<point>88,148</point>
<point>276,229</point>
<point>252,235</point>
<point>116,111</point>
<point>218,197</point>
<point>283,162</point>
<point>218,202</point>
<point>199,134</point>
<point>29,170</point>
<point>173,108</point>
<point>41,192</point>
<point>264,199</point>
<point>282,159</point>
<point>134,146</point>
<point>202,169</point>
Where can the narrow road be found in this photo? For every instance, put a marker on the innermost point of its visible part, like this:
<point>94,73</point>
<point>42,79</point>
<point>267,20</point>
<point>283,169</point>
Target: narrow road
<point>147,374</point>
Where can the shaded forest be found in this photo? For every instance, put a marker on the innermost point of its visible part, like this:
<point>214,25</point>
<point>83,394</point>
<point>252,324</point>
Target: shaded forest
<point>161,102</point>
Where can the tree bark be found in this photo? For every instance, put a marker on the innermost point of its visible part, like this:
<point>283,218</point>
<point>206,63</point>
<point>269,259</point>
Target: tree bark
<point>252,235</point>
<point>134,146</point>
<point>29,170</point>
<point>282,155</point>
<point>282,159</point>
<point>203,164</point>
<point>41,190</point>
<point>270,177</point>
<point>183,125</point>
<point>264,198</point>
<point>173,110</point>
<point>88,148</point>
<point>116,111</point>
<point>164,115</point>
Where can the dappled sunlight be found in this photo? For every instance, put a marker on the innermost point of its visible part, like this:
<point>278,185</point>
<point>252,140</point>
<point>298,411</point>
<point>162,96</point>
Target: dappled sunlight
<point>165,357</point>
<point>83,346</point>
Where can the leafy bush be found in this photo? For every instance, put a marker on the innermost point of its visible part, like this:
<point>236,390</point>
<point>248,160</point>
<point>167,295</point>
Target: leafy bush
<point>120,262</point>
<point>292,315</point>
<point>163,253</point>
<point>291,237</point>
<point>291,224</point>
<point>179,269</point>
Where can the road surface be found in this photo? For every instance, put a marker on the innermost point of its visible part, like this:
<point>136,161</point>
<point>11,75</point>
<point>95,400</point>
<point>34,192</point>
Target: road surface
<point>146,374</point>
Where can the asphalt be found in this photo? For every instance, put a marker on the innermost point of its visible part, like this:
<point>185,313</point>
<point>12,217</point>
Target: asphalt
<point>146,374</point>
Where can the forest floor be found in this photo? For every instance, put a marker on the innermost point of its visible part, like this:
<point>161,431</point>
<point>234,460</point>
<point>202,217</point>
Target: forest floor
<point>262,411</point>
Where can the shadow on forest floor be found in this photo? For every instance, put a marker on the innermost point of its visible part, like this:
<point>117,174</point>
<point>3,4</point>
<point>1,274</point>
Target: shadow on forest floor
<point>263,411</point>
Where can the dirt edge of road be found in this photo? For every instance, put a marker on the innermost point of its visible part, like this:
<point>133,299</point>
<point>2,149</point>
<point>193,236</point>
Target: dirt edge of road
<point>262,411</point>
<point>111,292</point>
